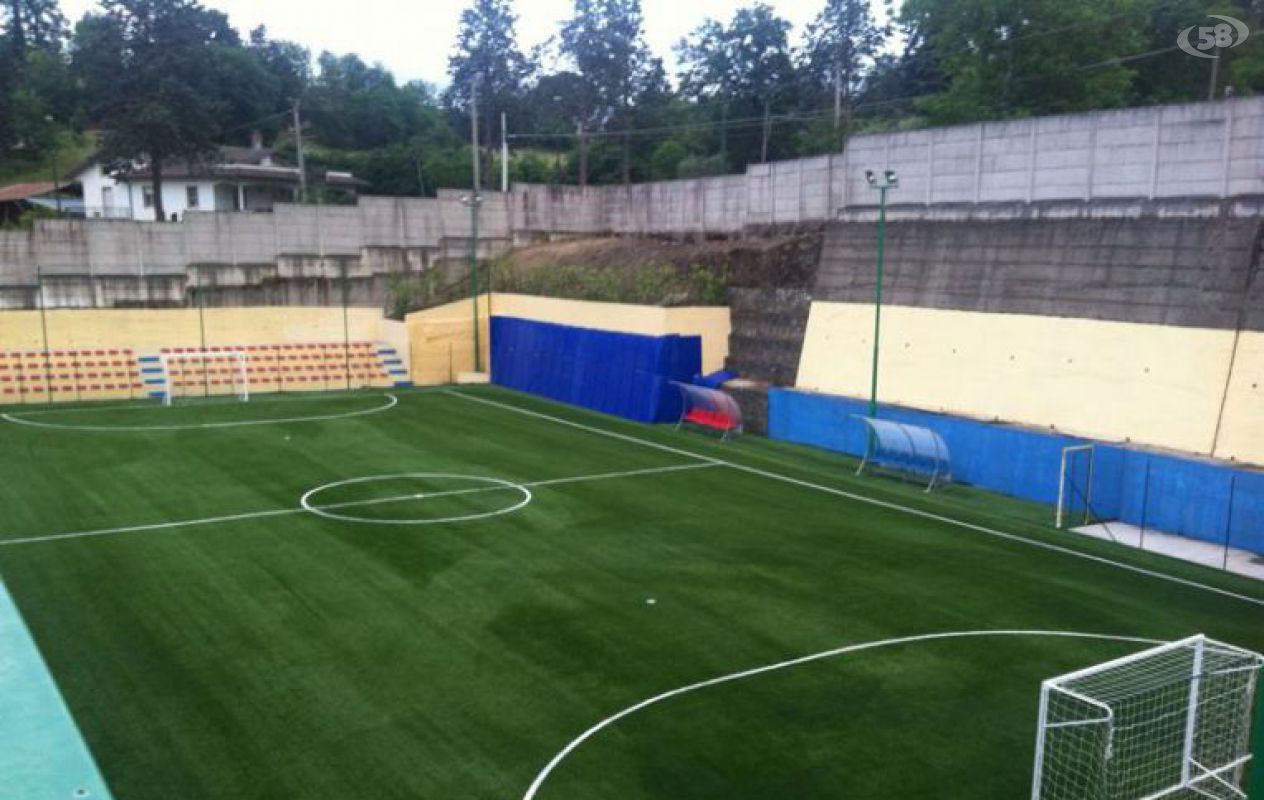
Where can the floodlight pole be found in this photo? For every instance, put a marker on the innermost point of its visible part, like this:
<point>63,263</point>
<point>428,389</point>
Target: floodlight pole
<point>48,365</point>
<point>883,185</point>
<point>473,201</point>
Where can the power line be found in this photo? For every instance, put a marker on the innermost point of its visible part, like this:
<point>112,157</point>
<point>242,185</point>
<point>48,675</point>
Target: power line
<point>804,116</point>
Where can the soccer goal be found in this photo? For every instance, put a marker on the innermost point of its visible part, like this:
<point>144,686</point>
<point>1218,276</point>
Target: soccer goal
<point>1075,486</point>
<point>908,450</point>
<point>1170,722</point>
<point>203,373</point>
<point>710,409</point>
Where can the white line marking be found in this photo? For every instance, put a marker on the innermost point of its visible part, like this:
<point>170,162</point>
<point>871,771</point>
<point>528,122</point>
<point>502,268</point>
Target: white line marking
<point>794,662</point>
<point>391,402</point>
<point>157,526</point>
<point>612,434</point>
<point>875,502</point>
<point>500,485</point>
<point>603,476</point>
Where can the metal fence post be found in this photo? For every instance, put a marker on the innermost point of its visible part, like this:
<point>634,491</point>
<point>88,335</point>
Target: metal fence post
<point>1233,483</point>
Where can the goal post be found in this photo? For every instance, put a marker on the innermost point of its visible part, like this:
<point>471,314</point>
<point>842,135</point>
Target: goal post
<point>1173,721</point>
<point>1075,486</point>
<point>204,373</point>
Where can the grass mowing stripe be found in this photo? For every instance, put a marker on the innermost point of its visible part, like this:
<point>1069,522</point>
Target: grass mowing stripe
<point>1013,537</point>
<point>348,504</point>
<point>543,775</point>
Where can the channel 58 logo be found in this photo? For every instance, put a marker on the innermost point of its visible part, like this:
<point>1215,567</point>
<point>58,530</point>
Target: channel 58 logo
<point>1212,39</point>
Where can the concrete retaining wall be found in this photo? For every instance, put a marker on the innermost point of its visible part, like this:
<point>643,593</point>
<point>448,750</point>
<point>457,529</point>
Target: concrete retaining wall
<point>1184,158</point>
<point>1196,150</point>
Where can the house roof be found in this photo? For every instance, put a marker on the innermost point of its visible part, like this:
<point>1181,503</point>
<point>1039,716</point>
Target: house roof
<point>23,191</point>
<point>236,163</point>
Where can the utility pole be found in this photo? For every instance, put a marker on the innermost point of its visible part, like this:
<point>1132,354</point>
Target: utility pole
<point>474,201</point>
<point>724,131</point>
<point>838,96</point>
<point>504,154</point>
<point>1215,76</point>
<point>298,142</point>
<point>56,171</point>
<point>763,149</point>
<point>888,182</point>
<point>583,155</point>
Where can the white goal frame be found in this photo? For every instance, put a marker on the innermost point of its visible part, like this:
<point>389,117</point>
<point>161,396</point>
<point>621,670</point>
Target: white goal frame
<point>206,357</point>
<point>1063,488</point>
<point>1173,721</point>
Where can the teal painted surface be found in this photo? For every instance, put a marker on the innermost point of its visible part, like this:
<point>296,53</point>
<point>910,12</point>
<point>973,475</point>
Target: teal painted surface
<point>42,755</point>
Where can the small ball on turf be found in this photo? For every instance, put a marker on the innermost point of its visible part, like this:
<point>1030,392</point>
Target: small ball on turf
<point>650,601</point>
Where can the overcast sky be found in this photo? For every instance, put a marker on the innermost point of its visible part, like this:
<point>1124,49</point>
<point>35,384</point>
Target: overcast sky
<point>414,39</point>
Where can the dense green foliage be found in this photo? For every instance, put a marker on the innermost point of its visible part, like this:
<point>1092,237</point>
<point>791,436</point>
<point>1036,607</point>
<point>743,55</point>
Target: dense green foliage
<point>658,285</point>
<point>295,656</point>
<point>594,103</point>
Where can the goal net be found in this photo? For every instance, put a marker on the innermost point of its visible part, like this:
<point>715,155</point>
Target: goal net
<point>1170,722</point>
<point>204,373</point>
<point>1075,486</point>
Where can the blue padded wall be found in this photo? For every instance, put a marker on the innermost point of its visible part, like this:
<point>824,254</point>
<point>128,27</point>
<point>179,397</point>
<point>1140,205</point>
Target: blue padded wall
<point>1199,499</point>
<point>624,374</point>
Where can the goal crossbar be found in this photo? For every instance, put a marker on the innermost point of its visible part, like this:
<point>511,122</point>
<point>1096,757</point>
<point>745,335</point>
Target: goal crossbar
<point>1067,492</point>
<point>1171,721</point>
<point>233,361</point>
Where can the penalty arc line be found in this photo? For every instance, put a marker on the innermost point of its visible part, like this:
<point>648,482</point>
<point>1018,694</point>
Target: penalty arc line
<point>391,402</point>
<point>873,501</point>
<point>279,512</point>
<point>548,769</point>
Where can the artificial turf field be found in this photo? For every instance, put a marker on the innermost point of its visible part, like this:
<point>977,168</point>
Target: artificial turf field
<point>270,651</point>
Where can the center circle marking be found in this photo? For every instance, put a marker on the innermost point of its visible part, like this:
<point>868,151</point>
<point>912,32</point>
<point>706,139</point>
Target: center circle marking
<point>491,485</point>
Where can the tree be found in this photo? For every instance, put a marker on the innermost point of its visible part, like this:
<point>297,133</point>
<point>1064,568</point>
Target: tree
<point>354,105</point>
<point>289,63</point>
<point>606,42</point>
<point>487,57</point>
<point>165,102</point>
<point>1002,58</point>
<point>840,42</point>
<point>33,23</point>
<point>33,84</point>
<point>745,65</point>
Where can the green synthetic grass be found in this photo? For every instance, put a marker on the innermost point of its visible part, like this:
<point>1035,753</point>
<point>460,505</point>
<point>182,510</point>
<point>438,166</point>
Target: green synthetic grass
<point>292,655</point>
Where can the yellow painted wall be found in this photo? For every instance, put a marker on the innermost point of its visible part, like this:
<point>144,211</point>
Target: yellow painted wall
<point>147,331</point>
<point>151,329</point>
<point>441,341</point>
<point>442,337</point>
<point>1153,384</point>
<point>709,322</point>
<point>1242,431</point>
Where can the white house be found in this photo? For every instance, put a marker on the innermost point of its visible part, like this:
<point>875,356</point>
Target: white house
<point>236,179</point>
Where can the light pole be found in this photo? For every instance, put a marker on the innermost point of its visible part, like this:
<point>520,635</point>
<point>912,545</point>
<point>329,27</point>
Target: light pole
<point>886,183</point>
<point>474,199</point>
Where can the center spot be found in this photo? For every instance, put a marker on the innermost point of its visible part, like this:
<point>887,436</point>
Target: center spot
<point>416,498</point>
